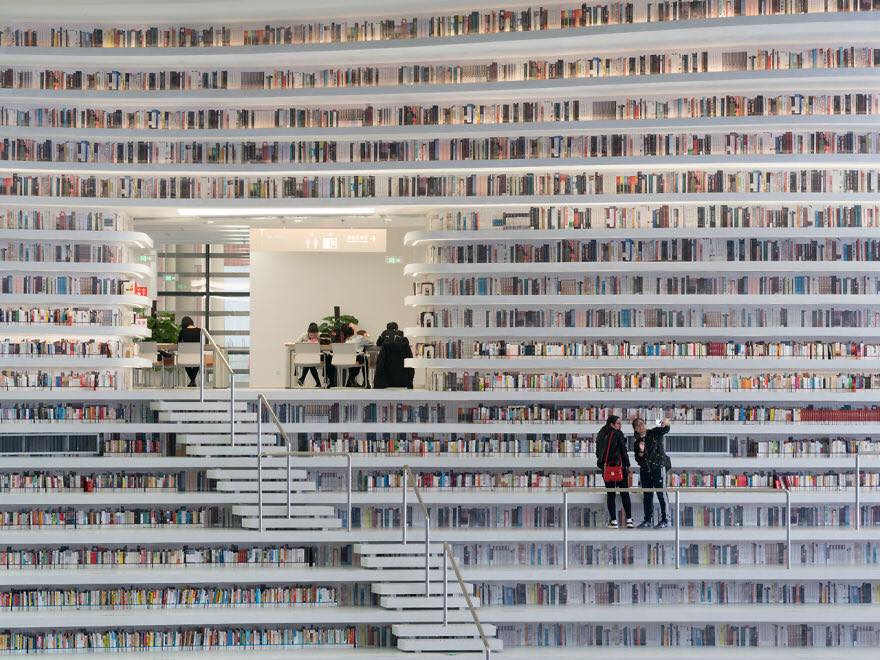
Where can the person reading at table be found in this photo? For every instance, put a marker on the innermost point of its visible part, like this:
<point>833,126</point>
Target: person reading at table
<point>310,336</point>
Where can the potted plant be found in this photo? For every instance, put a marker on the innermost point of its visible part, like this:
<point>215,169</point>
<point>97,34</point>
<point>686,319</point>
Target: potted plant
<point>331,326</point>
<point>163,331</point>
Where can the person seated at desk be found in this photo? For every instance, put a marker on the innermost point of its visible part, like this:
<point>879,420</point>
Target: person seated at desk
<point>352,337</point>
<point>310,336</point>
<point>189,333</point>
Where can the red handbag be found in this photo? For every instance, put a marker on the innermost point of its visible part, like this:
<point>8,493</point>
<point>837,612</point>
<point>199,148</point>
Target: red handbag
<point>611,472</point>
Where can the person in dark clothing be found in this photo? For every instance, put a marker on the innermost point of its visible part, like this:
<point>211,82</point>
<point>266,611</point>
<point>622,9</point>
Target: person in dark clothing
<point>390,369</point>
<point>652,459</point>
<point>391,330</point>
<point>189,333</point>
<point>611,451</point>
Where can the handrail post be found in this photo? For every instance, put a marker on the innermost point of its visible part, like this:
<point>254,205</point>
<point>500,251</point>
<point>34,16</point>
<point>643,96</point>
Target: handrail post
<point>202,366</point>
<point>857,517</point>
<point>565,530</point>
<point>288,483</point>
<point>348,488</point>
<point>260,462</point>
<point>403,506</point>
<point>231,410</point>
<point>445,589</point>
<point>787,528</point>
<point>677,530</point>
<point>427,556</point>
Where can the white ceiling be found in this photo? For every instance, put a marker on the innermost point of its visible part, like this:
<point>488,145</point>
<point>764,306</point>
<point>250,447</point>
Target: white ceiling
<point>236,230</point>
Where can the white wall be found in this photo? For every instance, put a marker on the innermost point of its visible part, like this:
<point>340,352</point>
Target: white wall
<point>290,289</point>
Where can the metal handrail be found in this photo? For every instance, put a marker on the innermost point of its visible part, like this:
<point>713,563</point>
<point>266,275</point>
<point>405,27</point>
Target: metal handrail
<point>449,559</point>
<point>203,335</point>
<point>409,476</point>
<point>677,525</point>
<point>263,402</point>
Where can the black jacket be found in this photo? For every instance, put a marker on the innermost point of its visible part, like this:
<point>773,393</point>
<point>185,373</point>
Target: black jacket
<point>617,453</point>
<point>654,457</point>
<point>390,371</point>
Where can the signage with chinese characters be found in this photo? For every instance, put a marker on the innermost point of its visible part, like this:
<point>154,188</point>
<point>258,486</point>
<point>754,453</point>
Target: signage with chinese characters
<point>318,240</point>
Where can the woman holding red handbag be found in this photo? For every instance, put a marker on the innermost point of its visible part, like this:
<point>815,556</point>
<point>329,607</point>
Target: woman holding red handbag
<point>612,459</point>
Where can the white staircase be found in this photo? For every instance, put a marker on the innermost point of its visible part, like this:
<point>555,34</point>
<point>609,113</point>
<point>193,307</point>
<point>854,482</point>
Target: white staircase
<point>276,482</point>
<point>397,590</point>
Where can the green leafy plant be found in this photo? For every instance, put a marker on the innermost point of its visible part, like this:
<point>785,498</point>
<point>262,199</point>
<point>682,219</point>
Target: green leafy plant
<point>332,324</point>
<point>164,329</point>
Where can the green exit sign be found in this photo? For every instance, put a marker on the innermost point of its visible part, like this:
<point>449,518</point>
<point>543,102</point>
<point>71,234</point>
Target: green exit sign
<point>392,260</point>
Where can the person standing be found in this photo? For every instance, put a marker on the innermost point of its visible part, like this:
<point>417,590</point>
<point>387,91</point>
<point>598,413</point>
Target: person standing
<point>652,459</point>
<point>612,458</point>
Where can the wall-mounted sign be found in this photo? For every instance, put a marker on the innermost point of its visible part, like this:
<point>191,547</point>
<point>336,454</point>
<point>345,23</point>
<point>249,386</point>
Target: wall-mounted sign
<point>318,240</point>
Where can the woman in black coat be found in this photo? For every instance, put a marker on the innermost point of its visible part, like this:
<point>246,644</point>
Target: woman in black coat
<point>611,451</point>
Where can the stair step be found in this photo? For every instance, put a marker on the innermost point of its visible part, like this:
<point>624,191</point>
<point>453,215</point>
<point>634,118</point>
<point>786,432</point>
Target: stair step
<point>196,406</point>
<point>439,630</point>
<point>413,548</point>
<point>399,562</point>
<point>221,416</point>
<point>418,588</point>
<point>292,523</point>
<point>424,602</point>
<point>250,474</point>
<point>268,487</point>
<point>296,510</point>
<point>446,644</point>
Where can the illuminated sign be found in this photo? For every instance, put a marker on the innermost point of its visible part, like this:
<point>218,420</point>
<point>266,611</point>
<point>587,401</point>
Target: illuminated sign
<point>318,240</point>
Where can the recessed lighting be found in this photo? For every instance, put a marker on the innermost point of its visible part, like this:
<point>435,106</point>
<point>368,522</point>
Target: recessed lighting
<point>209,222</point>
<point>297,219</point>
<point>221,211</point>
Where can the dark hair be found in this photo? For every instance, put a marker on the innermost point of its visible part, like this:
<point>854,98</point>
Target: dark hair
<point>186,322</point>
<point>637,420</point>
<point>313,327</point>
<point>391,326</point>
<point>347,331</point>
<point>612,420</point>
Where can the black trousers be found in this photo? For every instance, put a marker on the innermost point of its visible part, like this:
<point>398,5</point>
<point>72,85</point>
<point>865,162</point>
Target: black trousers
<point>652,478</point>
<point>193,373</point>
<point>624,497</point>
<point>310,370</point>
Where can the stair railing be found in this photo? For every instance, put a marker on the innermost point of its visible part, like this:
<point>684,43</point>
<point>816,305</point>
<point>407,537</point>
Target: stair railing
<point>204,336</point>
<point>409,479</point>
<point>677,492</point>
<point>408,476</point>
<point>450,560</point>
<point>263,403</point>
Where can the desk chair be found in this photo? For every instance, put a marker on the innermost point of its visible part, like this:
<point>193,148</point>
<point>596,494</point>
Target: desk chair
<point>188,356</point>
<point>345,356</point>
<point>306,355</point>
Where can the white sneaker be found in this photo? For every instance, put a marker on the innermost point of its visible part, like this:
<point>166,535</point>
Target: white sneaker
<point>612,524</point>
<point>629,523</point>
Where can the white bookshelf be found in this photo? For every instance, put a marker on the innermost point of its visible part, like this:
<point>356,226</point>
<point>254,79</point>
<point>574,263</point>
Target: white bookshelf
<point>223,478</point>
<point>648,299</point>
<point>739,81</point>
<point>609,165</point>
<point>708,33</point>
<point>529,129</point>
